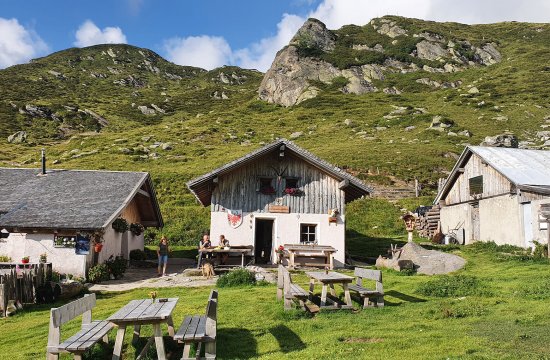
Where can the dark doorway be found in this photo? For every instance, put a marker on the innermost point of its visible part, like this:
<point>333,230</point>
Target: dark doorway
<point>264,240</point>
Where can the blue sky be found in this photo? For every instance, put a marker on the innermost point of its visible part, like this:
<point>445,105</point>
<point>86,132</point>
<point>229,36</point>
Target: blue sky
<point>211,33</point>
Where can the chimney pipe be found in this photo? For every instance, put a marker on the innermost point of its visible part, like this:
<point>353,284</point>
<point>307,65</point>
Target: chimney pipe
<point>43,158</point>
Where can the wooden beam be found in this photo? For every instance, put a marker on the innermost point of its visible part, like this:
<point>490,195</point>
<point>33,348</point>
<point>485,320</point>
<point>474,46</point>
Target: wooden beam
<point>461,170</point>
<point>343,184</point>
<point>144,193</point>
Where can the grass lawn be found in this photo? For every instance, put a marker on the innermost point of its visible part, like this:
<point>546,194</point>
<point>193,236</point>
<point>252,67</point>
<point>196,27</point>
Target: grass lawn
<point>179,251</point>
<point>501,314</point>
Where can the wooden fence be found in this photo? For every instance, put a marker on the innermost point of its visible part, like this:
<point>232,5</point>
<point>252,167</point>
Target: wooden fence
<point>19,282</point>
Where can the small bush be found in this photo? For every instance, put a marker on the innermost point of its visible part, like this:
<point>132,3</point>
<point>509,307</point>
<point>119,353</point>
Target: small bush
<point>541,251</point>
<point>117,266</point>
<point>138,254</point>
<point>150,254</point>
<point>98,273</point>
<point>450,286</point>
<point>238,277</point>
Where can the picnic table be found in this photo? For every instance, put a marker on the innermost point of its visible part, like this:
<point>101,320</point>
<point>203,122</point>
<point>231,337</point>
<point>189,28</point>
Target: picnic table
<point>328,279</point>
<point>314,250</point>
<point>241,251</point>
<point>144,312</point>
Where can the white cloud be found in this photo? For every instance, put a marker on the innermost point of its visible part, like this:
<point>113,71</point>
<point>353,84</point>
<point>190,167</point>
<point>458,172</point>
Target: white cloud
<point>260,55</point>
<point>203,51</point>
<point>18,44</point>
<point>89,34</point>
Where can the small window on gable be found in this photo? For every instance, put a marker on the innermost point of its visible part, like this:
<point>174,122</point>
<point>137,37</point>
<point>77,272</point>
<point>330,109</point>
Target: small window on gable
<point>308,233</point>
<point>265,186</point>
<point>476,185</point>
<point>291,183</point>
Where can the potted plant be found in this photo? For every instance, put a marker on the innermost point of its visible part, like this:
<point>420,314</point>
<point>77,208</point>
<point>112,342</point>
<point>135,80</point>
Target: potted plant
<point>280,253</point>
<point>294,191</point>
<point>120,225</point>
<point>137,229</point>
<point>97,239</point>
<point>25,260</point>
<point>43,257</point>
<point>333,215</point>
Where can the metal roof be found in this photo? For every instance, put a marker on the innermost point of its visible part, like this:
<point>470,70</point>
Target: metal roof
<point>522,167</point>
<point>202,187</point>
<point>73,199</point>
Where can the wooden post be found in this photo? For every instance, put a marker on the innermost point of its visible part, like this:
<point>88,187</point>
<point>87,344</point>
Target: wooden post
<point>416,187</point>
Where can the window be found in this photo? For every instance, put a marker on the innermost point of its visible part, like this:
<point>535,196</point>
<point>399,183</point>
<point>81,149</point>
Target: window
<point>476,185</point>
<point>265,186</point>
<point>308,233</point>
<point>291,183</point>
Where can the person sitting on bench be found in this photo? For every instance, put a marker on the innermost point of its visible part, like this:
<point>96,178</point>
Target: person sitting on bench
<point>222,257</point>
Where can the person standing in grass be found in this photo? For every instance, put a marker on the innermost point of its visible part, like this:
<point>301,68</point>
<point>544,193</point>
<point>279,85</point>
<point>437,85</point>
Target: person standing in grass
<point>162,253</point>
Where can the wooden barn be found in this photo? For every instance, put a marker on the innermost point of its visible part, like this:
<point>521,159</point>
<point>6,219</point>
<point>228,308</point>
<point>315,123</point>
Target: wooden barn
<point>279,194</point>
<point>56,212</point>
<point>494,194</point>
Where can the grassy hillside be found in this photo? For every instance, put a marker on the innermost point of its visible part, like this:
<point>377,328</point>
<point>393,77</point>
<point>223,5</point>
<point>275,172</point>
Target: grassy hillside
<point>211,118</point>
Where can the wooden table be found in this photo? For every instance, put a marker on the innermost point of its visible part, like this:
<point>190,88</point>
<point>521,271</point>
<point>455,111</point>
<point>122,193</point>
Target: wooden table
<point>328,280</point>
<point>139,313</point>
<point>327,251</point>
<point>241,251</point>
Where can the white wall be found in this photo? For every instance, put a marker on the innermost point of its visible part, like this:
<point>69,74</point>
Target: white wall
<point>286,230</point>
<point>500,219</point>
<point>112,244</point>
<point>64,260</point>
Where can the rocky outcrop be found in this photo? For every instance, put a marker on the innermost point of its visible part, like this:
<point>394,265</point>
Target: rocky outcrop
<point>314,34</point>
<point>298,67</point>
<point>18,137</point>
<point>501,140</point>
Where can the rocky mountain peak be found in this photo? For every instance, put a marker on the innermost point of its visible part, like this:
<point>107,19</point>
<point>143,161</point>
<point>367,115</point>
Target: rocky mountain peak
<point>314,34</point>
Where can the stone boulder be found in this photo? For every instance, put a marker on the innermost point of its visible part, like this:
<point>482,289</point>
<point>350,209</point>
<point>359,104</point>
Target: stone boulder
<point>428,262</point>
<point>18,137</point>
<point>488,54</point>
<point>388,28</point>
<point>502,140</point>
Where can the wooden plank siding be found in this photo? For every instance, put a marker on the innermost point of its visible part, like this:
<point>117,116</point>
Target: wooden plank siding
<point>493,182</point>
<point>238,189</point>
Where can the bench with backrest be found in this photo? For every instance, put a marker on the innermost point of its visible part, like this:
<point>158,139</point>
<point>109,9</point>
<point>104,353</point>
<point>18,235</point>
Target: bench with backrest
<point>90,333</point>
<point>290,291</point>
<point>371,297</point>
<point>200,329</point>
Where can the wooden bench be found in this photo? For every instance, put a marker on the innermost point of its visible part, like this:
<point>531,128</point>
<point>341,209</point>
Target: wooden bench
<point>368,295</point>
<point>90,333</point>
<point>200,329</point>
<point>289,290</point>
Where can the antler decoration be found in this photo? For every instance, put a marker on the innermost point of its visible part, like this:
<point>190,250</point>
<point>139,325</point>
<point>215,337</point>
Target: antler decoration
<point>279,172</point>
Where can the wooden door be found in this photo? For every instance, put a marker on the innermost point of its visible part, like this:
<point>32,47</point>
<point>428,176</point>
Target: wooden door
<point>475,222</point>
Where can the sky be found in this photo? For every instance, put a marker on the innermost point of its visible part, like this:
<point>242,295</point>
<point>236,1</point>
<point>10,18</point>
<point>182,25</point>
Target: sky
<point>213,33</point>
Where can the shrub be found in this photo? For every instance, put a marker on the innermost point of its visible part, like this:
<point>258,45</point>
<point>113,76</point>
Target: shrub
<point>452,285</point>
<point>120,225</point>
<point>117,266</point>
<point>138,254</point>
<point>238,277</point>
<point>98,273</point>
<point>541,251</point>
<point>150,254</point>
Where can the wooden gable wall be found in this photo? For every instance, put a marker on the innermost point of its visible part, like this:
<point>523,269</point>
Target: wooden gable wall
<point>493,182</point>
<point>238,189</point>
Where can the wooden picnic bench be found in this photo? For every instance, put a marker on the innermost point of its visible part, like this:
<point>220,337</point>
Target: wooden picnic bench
<point>200,329</point>
<point>368,295</point>
<point>289,290</point>
<point>310,253</point>
<point>90,333</point>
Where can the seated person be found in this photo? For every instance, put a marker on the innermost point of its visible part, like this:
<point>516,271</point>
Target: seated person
<point>222,258</point>
<point>205,244</point>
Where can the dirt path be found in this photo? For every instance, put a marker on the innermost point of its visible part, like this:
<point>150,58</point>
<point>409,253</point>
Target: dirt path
<point>136,278</point>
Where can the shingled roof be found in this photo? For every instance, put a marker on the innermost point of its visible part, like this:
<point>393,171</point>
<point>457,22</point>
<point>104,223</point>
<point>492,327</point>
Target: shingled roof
<point>73,199</point>
<point>202,187</point>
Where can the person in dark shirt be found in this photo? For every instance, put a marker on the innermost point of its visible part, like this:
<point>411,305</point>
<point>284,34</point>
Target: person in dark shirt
<point>162,253</point>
